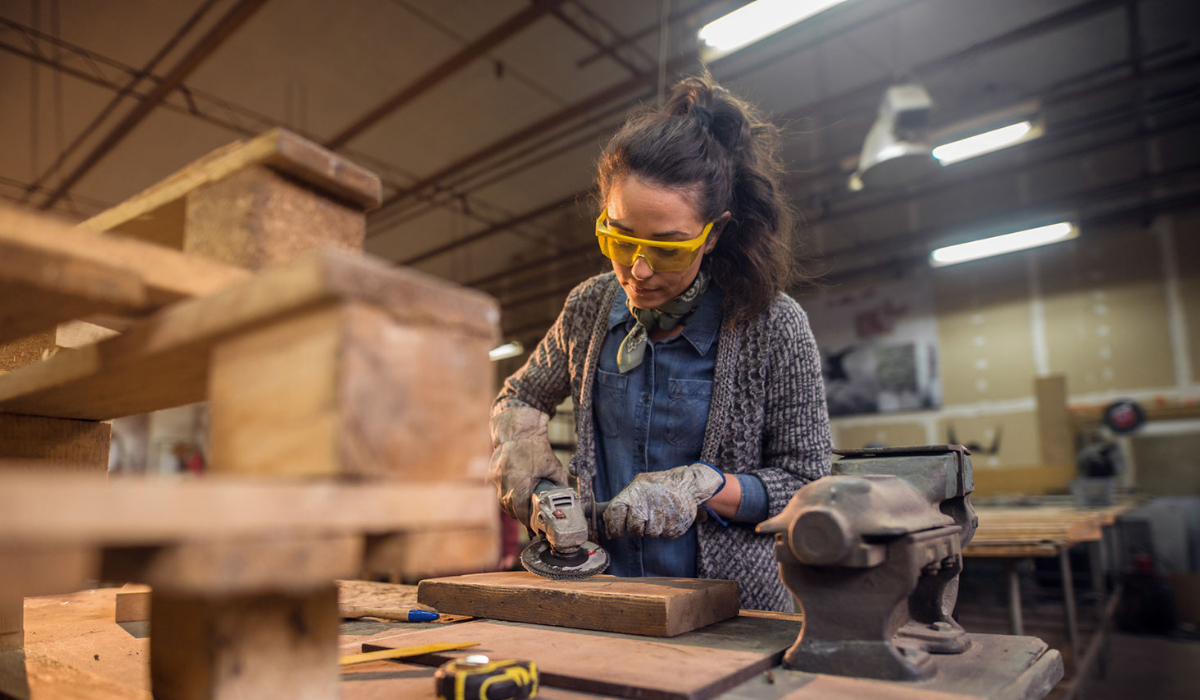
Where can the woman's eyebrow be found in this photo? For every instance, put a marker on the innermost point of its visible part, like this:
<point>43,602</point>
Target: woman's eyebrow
<point>664,234</point>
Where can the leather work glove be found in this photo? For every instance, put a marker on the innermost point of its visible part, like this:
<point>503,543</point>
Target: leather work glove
<point>662,504</point>
<point>521,457</point>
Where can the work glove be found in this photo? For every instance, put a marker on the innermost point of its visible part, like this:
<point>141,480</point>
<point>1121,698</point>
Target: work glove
<point>521,457</point>
<point>662,504</point>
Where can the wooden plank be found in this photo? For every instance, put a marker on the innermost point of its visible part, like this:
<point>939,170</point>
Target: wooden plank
<point>12,634</point>
<point>1055,436</point>
<point>693,666</point>
<point>45,568</point>
<point>145,512</point>
<point>63,444</point>
<point>657,607</point>
<point>40,289</point>
<point>74,334</point>
<point>279,564</point>
<point>158,212</point>
<point>433,552</point>
<point>163,361</point>
<point>167,275</point>
<point>25,351</point>
<point>1012,551</point>
<point>247,646</point>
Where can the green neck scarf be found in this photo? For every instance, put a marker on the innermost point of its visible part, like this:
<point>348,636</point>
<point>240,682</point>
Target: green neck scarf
<point>666,317</point>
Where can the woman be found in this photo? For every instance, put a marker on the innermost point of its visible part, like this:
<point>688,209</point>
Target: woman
<point>696,380</point>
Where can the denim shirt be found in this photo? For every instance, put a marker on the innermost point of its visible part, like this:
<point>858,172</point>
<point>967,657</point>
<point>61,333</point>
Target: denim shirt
<point>652,419</point>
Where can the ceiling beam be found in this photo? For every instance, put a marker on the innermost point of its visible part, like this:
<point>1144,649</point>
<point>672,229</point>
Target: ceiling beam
<point>445,69</point>
<point>210,42</point>
<point>649,29</point>
<point>594,41</point>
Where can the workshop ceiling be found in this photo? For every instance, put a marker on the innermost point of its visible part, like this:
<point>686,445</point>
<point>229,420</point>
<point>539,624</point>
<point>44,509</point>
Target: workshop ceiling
<point>503,146</point>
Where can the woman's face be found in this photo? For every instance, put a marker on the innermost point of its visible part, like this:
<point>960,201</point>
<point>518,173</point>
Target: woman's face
<point>642,210</point>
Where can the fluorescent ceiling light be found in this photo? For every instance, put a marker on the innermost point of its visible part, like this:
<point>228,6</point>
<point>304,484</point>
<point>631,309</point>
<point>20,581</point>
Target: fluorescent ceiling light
<point>759,19</point>
<point>1008,243</point>
<point>986,142</point>
<point>506,351</point>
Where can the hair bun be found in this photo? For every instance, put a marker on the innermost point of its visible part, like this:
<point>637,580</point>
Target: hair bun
<point>704,115</point>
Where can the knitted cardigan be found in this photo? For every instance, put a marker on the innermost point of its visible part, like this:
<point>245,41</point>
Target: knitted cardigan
<point>767,418</point>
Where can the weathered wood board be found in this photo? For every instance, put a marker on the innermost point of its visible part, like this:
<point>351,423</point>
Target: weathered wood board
<point>133,603</point>
<point>693,666</point>
<point>60,444</point>
<point>657,607</point>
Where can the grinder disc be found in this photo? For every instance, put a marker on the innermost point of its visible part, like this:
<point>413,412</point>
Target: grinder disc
<point>539,559</point>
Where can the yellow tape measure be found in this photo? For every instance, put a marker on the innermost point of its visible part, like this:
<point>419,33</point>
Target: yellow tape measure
<point>476,677</point>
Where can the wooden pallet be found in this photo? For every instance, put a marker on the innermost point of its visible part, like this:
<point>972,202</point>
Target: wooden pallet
<point>348,405</point>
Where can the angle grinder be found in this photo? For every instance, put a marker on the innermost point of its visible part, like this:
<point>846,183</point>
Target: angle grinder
<point>559,520</point>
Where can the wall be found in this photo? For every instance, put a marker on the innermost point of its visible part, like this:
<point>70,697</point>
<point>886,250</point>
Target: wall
<point>1116,310</point>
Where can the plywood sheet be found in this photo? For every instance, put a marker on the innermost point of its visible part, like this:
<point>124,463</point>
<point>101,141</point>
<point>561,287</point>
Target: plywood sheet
<point>693,666</point>
<point>1106,310</point>
<point>984,330</point>
<point>660,607</point>
<point>898,434</point>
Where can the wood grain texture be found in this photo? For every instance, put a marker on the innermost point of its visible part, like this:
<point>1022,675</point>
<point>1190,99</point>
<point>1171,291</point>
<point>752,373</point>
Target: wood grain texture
<point>168,275</point>
<point>246,646</point>
<point>163,361</point>
<point>433,552</point>
<point>158,212</point>
<point>657,607</point>
<point>40,288</point>
<point>63,444</point>
<point>693,666</point>
<point>151,512</point>
<point>12,631</point>
<point>25,351</point>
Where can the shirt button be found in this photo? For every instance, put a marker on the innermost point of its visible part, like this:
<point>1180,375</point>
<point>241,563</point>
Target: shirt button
<point>645,398</point>
<point>641,449</point>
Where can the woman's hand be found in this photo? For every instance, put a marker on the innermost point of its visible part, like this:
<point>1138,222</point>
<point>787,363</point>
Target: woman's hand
<point>662,504</point>
<point>521,458</point>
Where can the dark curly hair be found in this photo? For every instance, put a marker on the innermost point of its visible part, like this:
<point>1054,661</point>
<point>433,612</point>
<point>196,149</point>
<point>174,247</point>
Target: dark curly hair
<point>723,155</point>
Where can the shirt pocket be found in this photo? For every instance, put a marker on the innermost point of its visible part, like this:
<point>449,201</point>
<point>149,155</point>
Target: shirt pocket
<point>610,405</point>
<point>688,412</point>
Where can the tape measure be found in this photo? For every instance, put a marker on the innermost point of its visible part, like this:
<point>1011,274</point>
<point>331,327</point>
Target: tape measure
<point>477,677</point>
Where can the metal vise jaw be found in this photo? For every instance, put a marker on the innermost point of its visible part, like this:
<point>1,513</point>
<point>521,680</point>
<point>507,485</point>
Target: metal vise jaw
<point>873,553</point>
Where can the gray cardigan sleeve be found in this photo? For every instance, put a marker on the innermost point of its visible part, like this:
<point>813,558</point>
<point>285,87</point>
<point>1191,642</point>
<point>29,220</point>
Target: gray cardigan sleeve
<point>545,379</point>
<point>796,445</point>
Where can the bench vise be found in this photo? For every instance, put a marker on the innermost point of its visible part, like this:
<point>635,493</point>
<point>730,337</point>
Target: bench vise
<point>873,553</point>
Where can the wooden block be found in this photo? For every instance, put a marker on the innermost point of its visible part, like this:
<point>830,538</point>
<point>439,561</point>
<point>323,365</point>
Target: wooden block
<point>45,568</point>
<point>1055,435</point>
<point>167,275</point>
<point>164,211</point>
<point>163,361</point>
<point>258,217</point>
<point>64,444</point>
<point>246,646</point>
<point>145,512</point>
<point>278,564</point>
<point>376,398</point>
<point>40,289</point>
<point>413,555</point>
<point>133,603</point>
<point>659,607</point>
<point>693,666</point>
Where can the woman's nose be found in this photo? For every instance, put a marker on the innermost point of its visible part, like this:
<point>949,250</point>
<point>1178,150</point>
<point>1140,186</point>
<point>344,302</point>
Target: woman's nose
<point>641,269</point>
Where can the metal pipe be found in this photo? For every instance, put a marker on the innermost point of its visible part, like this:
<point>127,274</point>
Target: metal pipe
<point>210,42</point>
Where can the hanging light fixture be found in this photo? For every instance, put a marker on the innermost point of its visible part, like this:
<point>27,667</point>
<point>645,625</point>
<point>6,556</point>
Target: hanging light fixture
<point>896,151</point>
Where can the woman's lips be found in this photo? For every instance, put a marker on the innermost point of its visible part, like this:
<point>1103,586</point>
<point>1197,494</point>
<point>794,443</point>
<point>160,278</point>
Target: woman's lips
<point>643,291</point>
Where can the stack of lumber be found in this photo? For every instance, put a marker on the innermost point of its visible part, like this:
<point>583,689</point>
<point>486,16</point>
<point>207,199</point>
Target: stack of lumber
<point>348,413</point>
<point>1039,528</point>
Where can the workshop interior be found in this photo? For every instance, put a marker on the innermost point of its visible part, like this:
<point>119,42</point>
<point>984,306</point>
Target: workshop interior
<point>587,349</point>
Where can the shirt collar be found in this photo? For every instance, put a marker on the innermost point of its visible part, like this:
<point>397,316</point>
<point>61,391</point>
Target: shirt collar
<point>701,329</point>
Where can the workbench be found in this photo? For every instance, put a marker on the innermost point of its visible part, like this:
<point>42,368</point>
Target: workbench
<point>1050,529</point>
<point>75,649</point>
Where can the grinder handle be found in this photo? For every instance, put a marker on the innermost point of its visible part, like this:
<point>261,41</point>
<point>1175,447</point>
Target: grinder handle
<point>593,513</point>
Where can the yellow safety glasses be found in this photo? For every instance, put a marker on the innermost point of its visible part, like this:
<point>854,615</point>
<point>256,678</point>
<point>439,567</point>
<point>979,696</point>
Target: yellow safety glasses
<point>661,256</point>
